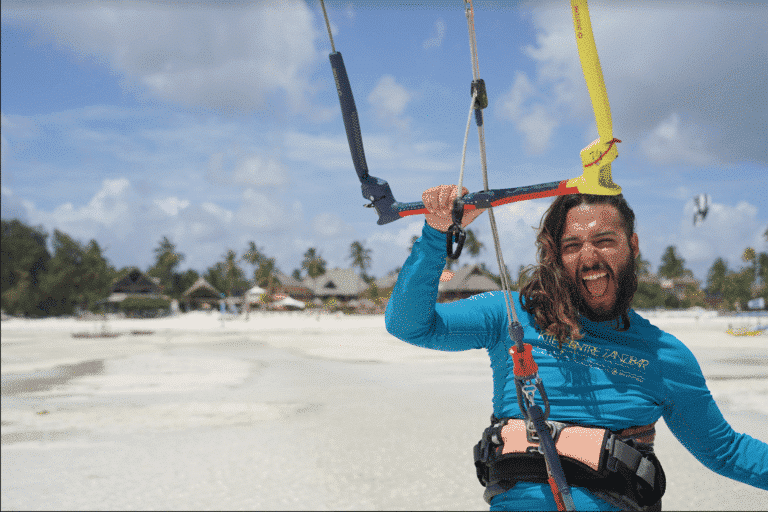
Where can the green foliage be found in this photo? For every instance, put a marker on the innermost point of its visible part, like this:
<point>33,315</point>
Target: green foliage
<point>372,292</point>
<point>77,276</point>
<point>643,266</point>
<point>738,289</point>
<point>717,277</point>
<point>182,281</point>
<point>672,265</point>
<point>265,274</point>
<point>253,254</point>
<point>649,296</point>
<point>167,259</point>
<point>313,263</point>
<point>133,305</point>
<point>735,287</point>
<point>34,283</point>
<point>227,275</point>
<point>762,272</point>
<point>472,244</point>
<point>24,259</point>
<point>360,256</point>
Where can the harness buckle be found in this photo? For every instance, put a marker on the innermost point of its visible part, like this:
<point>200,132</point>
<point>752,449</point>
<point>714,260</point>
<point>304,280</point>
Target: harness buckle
<point>612,462</point>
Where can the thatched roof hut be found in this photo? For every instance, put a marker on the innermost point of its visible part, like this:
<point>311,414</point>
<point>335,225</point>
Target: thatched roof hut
<point>297,289</point>
<point>134,283</point>
<point>342,284</point>
<point>467,281</point>
<point>201,294</point>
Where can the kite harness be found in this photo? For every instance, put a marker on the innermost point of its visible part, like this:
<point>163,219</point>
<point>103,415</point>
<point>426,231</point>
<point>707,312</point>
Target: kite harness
<point>496,455</point>
<point>618,467</point>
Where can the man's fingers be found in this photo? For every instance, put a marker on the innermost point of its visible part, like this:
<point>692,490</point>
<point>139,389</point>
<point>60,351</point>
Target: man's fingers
<point>471,215</point>
<point>439,203</point>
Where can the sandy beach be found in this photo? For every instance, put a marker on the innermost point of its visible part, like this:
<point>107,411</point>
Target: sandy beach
<point>294,411</point>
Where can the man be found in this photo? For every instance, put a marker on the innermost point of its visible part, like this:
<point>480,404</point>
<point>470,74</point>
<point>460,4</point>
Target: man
<point>601,363</point>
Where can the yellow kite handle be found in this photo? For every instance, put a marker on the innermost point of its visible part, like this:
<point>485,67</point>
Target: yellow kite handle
<point>597,157</point>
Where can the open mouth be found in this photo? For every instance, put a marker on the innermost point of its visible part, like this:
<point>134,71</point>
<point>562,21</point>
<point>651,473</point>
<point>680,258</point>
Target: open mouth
<point>596,283</point>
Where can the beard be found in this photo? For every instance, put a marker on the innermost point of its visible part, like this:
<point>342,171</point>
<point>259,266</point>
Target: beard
<point>626,280</point>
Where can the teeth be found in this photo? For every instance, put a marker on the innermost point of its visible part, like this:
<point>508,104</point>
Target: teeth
<point>595,276</point>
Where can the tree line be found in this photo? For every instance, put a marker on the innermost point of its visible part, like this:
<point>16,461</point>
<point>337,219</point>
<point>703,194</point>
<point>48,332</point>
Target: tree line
<point>725,287</point>
<point>36,281</point>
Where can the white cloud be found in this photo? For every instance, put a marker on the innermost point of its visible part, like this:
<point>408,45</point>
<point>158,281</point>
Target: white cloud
<point>217,211</point>
<point>537,126</point>
<point>264,213</point>
<point>11,207</point>
<point>400,238</point>
<point>227,59</point>
<point>258,171</point>
<point>673,142</point>
<point>171,205</point>
<point>511,104</point>
<point>702,63</point>
<point>323,151</point>
<point>521,105</point>
<point>517,223</point>
<point>436,40</point>
<point>389,100</point>
<point>108,213</point>
<point>329,225</point>
<point>381,152</point>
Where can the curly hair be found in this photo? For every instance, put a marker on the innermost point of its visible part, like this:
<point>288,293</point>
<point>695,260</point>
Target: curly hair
<point>549,293</point>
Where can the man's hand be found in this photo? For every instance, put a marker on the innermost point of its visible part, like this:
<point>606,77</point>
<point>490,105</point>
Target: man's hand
<point>439,202</point>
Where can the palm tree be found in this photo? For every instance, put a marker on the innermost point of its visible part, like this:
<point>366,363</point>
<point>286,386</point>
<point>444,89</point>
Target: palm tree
<point>253,254</point>
<point>313,263</point>
<point>750,256</point>
<point>233,274</point>
<point>361,258</point>
<point>643,266</point>
<point>473,244</point>
<point>167,259</point>
<point>265,274</point>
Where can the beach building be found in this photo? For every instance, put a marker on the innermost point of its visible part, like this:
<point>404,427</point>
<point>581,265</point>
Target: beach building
<point>681,287</point>
<point>133,285</point>
<point>467,281</point>
<point>387,283</point>
<point>293,287</point>
<point>201,295</point>
<point>343,285</point>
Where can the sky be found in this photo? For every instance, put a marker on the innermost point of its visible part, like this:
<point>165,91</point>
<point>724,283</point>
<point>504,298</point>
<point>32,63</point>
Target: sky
<point>217,123</point>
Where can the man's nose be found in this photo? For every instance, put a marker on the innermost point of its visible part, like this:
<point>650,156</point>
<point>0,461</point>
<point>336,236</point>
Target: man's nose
<point>588,255</point>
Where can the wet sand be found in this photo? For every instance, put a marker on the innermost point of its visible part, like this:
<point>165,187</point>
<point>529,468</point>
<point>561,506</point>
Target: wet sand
<point>291,411</point>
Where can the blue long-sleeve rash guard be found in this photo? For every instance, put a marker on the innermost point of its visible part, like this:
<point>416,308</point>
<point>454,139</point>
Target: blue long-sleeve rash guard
<point>608,378</point>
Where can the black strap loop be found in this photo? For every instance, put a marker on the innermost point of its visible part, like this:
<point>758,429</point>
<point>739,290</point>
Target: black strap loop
<point>455,233</point>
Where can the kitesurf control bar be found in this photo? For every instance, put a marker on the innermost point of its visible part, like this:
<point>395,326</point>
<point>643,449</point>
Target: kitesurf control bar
<point>379,193</point>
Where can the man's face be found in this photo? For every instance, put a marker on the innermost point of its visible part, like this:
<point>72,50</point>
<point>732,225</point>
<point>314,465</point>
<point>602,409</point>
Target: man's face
<point>597,257</point>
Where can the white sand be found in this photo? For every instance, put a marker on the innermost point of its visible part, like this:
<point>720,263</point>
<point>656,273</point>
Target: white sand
<point>292,411</point>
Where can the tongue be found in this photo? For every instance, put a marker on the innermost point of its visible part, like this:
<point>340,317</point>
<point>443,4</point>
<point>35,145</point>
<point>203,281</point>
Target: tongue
<point>596,287</point>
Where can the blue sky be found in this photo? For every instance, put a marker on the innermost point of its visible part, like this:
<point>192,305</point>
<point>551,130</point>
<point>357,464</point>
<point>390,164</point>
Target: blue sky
<point>218,123</point>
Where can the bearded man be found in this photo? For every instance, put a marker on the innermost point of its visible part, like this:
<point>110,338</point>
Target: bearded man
<point>609,374</point>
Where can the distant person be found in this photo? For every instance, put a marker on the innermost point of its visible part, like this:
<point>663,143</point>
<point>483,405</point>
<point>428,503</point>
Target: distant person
<point>601,363</point>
